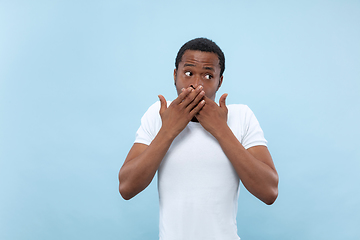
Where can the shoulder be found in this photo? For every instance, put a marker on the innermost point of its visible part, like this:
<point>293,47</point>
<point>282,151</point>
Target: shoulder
<point>243,122</point>
<point>150,124</point>
<point>241,116</point>
<point>154,109</point>
<point>238,107</point>
<point>239,111</point>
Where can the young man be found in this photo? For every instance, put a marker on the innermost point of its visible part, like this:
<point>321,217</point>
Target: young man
<point>201,150</point>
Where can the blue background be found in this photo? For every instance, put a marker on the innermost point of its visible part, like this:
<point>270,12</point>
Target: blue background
<point>76,77</point>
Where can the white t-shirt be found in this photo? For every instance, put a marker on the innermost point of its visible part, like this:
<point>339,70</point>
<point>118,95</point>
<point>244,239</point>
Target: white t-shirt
<point>198,186</point>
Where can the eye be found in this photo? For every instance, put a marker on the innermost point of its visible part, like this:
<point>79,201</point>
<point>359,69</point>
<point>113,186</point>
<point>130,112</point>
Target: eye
<point>188,73</point>
<point>208,76</point>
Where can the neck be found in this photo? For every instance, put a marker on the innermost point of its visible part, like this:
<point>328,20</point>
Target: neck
<point>194,119</point>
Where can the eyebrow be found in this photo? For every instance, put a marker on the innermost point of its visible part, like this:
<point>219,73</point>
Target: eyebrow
<point>209,68</point>
<point>193,65</point>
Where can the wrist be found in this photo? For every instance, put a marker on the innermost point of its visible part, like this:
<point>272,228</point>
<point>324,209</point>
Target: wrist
<point>222,132</point>
<point>167,134</point>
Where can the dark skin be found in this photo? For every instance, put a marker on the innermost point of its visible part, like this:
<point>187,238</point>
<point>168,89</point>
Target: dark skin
<point>197,80</point>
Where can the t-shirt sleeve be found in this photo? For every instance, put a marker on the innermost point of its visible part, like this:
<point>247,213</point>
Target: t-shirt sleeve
<point>253,135</point>
<point>150,125</point>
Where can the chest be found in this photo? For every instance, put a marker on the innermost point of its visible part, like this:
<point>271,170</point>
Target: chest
<point>196,160</point>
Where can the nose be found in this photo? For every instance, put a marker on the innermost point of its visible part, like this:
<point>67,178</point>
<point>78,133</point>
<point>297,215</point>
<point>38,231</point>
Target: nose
<point>196,82</point>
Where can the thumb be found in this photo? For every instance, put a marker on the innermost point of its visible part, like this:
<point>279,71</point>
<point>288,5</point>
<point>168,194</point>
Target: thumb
<point>163,103</point>
<point>222,100</point>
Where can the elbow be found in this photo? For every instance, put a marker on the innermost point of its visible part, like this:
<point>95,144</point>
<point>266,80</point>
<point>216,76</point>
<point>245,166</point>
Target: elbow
<point>123,189</point>
<point>271,198</point>
<point>127,190</point>
<point>125,197</point>
<point>273,192</point>
<point>270,195</point>
<point>130,188</point>
<point>124,193</point>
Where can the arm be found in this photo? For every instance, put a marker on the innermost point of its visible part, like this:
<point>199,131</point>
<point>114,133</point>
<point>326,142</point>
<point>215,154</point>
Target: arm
<point>141,165</point>
<point>254,166</point>
<point>143,161</point>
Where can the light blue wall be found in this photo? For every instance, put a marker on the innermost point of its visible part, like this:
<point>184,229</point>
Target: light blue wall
<point>76,77</point>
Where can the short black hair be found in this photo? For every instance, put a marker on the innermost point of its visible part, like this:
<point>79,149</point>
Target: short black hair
<point>203,45</point>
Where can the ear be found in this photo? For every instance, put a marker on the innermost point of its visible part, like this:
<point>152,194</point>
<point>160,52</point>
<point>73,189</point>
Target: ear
<point>175,76</point>
<point>220,82</point>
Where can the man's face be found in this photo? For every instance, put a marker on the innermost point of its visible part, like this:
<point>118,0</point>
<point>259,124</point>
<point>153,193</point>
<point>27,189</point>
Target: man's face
<point>199,68</point>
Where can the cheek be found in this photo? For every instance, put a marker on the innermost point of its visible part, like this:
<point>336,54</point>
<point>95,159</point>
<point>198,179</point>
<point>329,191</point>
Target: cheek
<point>210,91</point>
<point>178,87</point>
<point>179,83</point>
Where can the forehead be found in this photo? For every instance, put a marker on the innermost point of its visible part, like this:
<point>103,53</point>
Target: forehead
<point>200,58</point>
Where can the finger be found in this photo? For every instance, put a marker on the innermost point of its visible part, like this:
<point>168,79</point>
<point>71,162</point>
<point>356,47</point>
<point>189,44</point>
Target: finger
<point>196,101</point>
<point>191,97</point>
<point>197,108</point>
<point>182,95</point>
<point>163,103</point>
<point>222,100</point>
